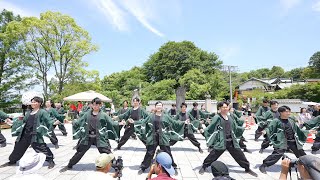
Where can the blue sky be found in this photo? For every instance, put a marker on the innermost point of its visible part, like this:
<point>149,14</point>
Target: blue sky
<point>250,34</point>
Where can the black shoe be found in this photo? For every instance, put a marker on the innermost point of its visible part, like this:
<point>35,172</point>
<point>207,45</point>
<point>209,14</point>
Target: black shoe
<point>249,171</point>
<point>262,169</point>
<point>56,146</point>
<point>261,151</point>
<point>64,169</point>
<point>244,140</point>
<point>255,139</point>
<point>7,164</point>
<point>141,170</point>
<point>51,164</point>
<point>3,144</point>
<point>175,171</point>
<point>117,148</point>
<point>202,170</point>
<point>313,152</point>
<point>247,150</point>
<point>200,150</point>
<point>64,134</point>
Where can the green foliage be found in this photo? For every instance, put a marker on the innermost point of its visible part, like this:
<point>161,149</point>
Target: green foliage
<point>175,59</point>
<point>162,90</point>
<point>13,69</point>
<point>314,62</point>
<point>119,86</point>
<point>309,92</point>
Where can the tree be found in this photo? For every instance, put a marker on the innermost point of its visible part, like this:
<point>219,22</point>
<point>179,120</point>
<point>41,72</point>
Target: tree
<point>174,60</point>
<point>65,42</point>
<point>314,62</point>
<point>13,70</point>
<point>53,41</point>
<point>83,81</point>
<point>276,72</point>
<point>295,73</point>
<point>119,86</point>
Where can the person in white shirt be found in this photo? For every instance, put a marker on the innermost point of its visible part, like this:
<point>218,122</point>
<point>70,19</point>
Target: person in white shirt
<point>304,116</point>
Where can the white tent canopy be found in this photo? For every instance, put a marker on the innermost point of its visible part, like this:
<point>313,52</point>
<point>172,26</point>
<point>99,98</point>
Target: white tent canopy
<point>310,103</point>
<point>87,96</point>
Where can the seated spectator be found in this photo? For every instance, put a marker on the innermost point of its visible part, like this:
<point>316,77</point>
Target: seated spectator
<point>220,171</point>
<point>29,164</point>
<point>162,167</point>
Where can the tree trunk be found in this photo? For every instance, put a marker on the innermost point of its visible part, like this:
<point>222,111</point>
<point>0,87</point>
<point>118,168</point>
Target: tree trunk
<point>180,96</point>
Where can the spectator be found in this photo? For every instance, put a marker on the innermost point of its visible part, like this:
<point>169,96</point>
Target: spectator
<point>316,110</point>
<point>103,165</point>
<point>162,167</point>
<point>29,164</point>
<point>79,108</point>
<point>308,167</point>
<point>304,116</point>
<point>220,171</point>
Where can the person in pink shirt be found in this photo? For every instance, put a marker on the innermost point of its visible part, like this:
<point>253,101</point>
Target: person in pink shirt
<point>162,167</point>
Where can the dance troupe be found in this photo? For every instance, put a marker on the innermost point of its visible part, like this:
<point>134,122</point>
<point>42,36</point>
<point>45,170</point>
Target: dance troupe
<point>222,131</point>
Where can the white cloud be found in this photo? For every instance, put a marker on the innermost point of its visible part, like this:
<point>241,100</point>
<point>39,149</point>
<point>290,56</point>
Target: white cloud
<point>117,13</point>
<point>113,13</point>
<point>289,4</point>
<point>16,10</point>
<point>143,12</point>
<point>316,6</point>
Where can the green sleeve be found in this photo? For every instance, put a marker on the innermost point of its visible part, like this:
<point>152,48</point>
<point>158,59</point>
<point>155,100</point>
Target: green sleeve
<point>144,113</point>
<point>46,120</point>
<point>238,130</point>
<point>313,123</point>
<point>125,115</point>
<point>259,112</point>
<point>211,128</point>
<point>57,115</point>
<point>272,127</point>
<point>3,115</point>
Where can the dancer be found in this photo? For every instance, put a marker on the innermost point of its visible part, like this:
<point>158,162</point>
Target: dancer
<point>222,135</point>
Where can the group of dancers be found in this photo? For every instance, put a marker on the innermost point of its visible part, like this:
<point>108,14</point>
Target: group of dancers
<point>222,131</point>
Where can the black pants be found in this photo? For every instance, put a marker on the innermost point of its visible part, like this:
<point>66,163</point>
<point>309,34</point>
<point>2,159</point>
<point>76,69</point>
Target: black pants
<point>258,133</point>
<point>82,149</point>
<point>62,129</point>
<point>316,144</point>
<point>265,143</point>
<point>278,153</point>
<point>151,149</point>
<point>241,143</point>
<point>236,153</point>
<point>2,138</point>
<point>53,138</point>
<point>127,133</point>
<point>21,146</point>
<point>191,137</point>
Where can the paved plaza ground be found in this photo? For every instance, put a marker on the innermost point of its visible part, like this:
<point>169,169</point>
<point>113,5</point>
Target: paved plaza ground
<point>187,157</point>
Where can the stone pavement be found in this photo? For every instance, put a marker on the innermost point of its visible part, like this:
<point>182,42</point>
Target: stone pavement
<point>187,157</point>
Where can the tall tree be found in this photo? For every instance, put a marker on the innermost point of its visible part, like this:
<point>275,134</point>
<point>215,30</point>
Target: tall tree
<point>56,44</point>
<point>65,42</point>
<point>175,59</point>
<point>314,64</point>
<point>13,70</point>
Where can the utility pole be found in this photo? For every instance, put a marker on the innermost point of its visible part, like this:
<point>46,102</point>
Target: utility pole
<point>230,69</point>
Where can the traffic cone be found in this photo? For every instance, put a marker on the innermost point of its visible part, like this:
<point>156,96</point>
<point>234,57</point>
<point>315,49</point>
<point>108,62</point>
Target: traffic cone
<point>310,138</point>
